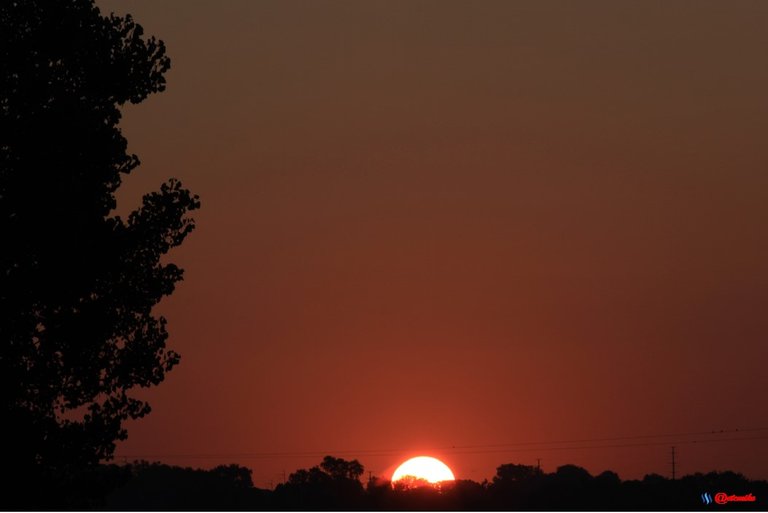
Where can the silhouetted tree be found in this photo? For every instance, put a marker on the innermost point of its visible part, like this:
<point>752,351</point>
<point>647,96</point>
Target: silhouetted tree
<point>313,476</point>
<point>155,486</point>
<point>569,486</point>
<point>465,494</point>
<point>608,478</point>
<point>77,283</point>
<point>339,468</point>
<point>235,474</point>
<point>573,474</point>
<point>512,473</point>
<point>606,490</point>
<point>411,482</point>
<point>514,485</point>
<point>332,485</point>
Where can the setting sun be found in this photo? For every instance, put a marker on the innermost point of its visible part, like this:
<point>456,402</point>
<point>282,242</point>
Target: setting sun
<point>427,468</point>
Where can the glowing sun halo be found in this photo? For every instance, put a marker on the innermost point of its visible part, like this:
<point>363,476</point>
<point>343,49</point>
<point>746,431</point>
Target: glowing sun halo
<point>424,467</point>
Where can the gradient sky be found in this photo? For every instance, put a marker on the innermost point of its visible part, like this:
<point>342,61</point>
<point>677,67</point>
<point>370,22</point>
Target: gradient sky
<point>433,225</point>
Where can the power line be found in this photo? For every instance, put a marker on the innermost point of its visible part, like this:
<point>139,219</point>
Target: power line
<point>618,438</point>
<point>610,446</point>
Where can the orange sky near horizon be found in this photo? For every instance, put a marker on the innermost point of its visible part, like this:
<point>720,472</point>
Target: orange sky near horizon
<point>443,227</point>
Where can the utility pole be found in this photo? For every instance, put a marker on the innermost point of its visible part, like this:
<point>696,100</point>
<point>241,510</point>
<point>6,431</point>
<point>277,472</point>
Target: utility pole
<point>538,463</point>
<point>673,462</point>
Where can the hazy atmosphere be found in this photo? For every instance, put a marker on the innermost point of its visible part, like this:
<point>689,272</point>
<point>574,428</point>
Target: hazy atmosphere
<point>526,232</point>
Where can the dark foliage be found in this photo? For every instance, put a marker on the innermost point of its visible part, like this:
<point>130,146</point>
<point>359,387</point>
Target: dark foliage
<point>154,486</point>
<point>515,487</point>
<point>334,485</point>
<point>77,283</point>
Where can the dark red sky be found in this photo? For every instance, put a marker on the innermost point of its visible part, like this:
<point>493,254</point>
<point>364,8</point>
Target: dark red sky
<point>439,224</point>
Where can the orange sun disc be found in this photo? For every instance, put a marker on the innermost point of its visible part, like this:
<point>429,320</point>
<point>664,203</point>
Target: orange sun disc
<point>427,468</point>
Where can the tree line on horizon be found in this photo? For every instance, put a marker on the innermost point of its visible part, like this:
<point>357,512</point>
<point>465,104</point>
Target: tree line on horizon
<point>337,484</point>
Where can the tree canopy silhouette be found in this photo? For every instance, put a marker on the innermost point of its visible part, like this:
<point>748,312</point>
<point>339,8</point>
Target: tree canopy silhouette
<point>77,283</point>
<point>334,484</point>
